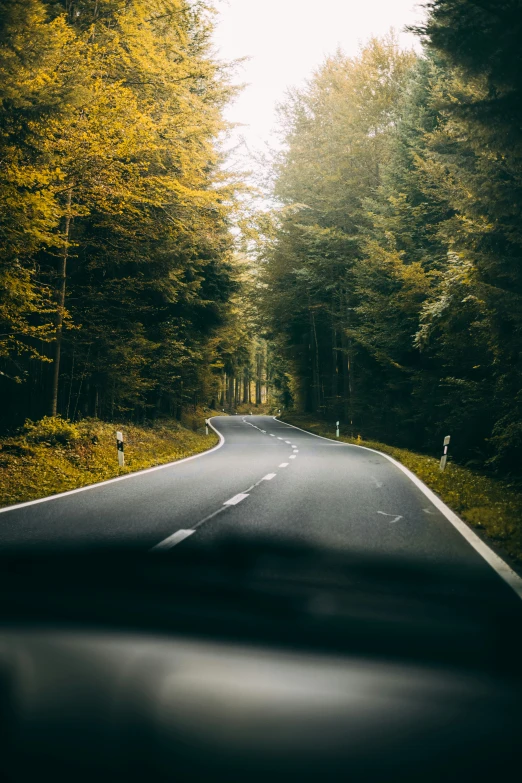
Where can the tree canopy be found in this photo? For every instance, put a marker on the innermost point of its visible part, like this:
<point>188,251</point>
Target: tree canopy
<point>115,249</point>
<point>393,278</point>
<point>385,288</point>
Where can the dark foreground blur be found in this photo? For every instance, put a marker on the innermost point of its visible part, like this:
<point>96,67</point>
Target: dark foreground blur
<point>255,661</point>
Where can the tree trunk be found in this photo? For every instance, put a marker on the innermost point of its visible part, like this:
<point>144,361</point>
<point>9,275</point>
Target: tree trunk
<point>349,365</point>
<point>316,380</point>
<point>347,370</point>
<point>258,378</point>
<point>267,374</point>
<point>61,308</point>
<point>223,386</point>
<point>67,410</point>
<point>230,395</point>
<point>335,370</point>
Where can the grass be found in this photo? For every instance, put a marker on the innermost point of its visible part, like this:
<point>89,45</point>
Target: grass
<point>491,506</point>
<point>55,455</point>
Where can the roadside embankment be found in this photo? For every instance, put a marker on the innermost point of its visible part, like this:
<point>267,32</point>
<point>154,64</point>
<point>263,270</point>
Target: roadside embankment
<point>491,506</point>
<point>55,455</point>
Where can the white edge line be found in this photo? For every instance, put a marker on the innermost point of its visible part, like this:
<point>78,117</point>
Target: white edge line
<point>118,478</point>
<point>503,570</point>
<point>173,540</point>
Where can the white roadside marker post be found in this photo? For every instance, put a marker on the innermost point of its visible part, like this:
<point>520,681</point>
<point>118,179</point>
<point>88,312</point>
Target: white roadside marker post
<point>121,447</point>
<point>444,458</point>
<point>337,430</point>
<point>206,426</point>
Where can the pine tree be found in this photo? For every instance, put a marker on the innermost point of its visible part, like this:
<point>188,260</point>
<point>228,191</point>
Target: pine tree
<point>135,254</point>
<point>336,143</point>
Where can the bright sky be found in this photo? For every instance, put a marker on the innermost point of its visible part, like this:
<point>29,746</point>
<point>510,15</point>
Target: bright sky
<point>287,39</point>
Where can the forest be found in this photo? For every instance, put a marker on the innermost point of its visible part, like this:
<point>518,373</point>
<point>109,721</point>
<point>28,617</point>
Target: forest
<point>393,269</point>
<point>383,289</point>
<point>120,293</point>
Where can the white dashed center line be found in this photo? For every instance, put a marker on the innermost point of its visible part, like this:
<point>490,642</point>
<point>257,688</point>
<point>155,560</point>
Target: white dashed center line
<point>171,541</point>
<point>235,500</point>
<point>181,535</point>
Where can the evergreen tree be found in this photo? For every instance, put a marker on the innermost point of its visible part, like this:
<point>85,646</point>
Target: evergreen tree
<point>133,253</point>
<point>336,143</point>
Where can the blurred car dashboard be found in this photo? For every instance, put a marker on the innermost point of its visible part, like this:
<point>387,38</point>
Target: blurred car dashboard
<point>254,661</point>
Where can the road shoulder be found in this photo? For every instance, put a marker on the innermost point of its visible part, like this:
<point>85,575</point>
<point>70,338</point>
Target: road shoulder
<point>58,457</point>
<point>489,509</point>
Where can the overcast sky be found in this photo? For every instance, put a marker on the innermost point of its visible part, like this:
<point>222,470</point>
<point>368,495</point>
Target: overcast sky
<point>287,39</point>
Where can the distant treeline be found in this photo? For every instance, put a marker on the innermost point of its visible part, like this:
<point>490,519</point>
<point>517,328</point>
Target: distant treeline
<point>119,290</point>
<point>394,267</point>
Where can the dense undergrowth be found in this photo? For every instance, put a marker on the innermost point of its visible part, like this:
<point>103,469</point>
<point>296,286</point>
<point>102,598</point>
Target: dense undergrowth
<point>55,455</point>
<point>491,506</point>
<point>265,409</point>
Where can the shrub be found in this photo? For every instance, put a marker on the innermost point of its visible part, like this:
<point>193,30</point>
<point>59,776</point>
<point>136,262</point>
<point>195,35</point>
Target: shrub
<point>52,430</point>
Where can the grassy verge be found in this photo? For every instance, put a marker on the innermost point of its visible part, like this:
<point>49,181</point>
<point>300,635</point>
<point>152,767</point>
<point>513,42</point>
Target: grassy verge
<point>54,455</point>
<point>491,506</point>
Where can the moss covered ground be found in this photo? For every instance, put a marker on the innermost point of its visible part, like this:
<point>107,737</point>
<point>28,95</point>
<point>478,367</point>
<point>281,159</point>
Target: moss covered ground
<point>55,455</point>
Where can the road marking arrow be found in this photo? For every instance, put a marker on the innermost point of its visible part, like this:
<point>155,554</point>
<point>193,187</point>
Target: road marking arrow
<point>390,515</point>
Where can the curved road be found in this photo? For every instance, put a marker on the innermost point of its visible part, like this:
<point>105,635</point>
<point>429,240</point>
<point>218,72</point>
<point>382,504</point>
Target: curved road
<point>266,477</point>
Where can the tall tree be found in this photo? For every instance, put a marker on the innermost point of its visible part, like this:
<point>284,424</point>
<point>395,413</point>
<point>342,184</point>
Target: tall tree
<point>336,143</point>
<point>396,256</point>
<point>478,155</point>
<point>134,254</point>
<point>37,60</point>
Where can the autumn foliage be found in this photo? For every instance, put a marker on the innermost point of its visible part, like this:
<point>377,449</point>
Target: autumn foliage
<point>115,250</point>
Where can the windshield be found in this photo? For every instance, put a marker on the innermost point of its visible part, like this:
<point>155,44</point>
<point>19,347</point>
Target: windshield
<point>261,383</point>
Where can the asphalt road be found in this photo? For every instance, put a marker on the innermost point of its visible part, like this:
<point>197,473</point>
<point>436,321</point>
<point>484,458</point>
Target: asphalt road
<point>266,478</point>
<point>258,661</point>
